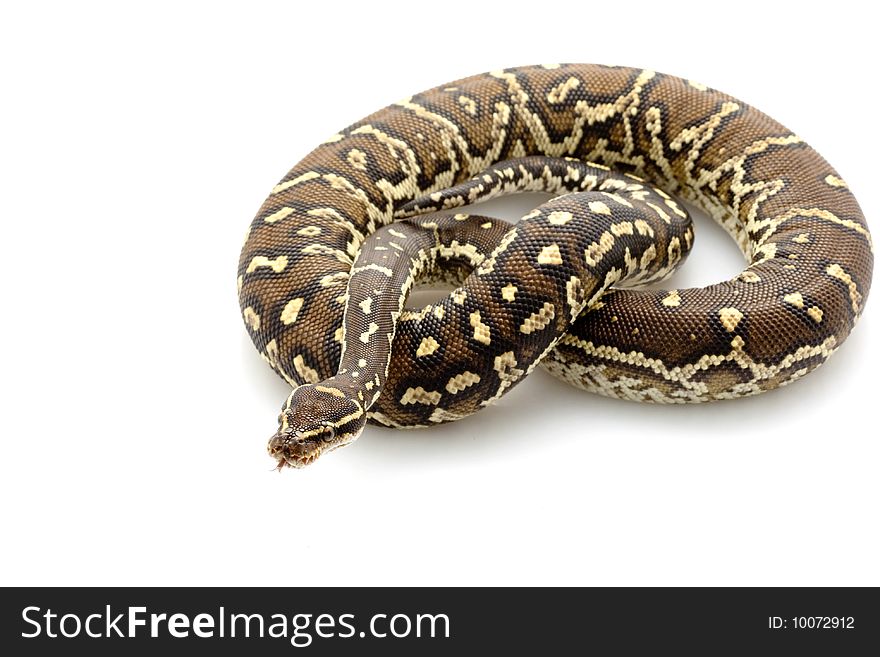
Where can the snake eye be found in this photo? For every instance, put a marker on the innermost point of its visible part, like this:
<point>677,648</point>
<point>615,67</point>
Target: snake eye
<point>329,434</point>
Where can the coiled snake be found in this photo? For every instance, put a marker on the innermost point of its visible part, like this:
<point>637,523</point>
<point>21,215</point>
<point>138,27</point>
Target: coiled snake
<point>333,252</point>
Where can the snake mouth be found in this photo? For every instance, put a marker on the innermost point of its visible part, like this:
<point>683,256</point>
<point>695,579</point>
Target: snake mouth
<point>292,452</point>
<point>295,461</point>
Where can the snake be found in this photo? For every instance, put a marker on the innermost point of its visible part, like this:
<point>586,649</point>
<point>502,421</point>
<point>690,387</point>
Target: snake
<point>331,257</point>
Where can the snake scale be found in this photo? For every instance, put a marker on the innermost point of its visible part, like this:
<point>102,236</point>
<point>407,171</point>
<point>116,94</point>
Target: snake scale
<point>331,255</point>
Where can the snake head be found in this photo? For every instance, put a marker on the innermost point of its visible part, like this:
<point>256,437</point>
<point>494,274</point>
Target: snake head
<point>315,419</point>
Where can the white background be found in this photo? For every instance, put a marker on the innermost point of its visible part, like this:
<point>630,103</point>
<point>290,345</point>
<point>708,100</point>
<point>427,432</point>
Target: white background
<point>137,144</point>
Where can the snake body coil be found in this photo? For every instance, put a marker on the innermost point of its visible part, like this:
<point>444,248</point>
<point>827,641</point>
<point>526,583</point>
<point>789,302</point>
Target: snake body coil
<point>324,273</point>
